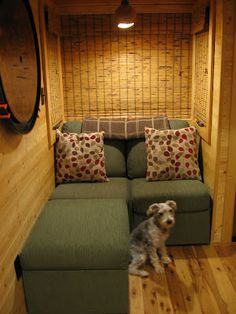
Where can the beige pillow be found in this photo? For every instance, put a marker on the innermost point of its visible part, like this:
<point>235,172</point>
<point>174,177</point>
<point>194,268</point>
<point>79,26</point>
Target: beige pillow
<point>172,154</point>
<point>80,157</point>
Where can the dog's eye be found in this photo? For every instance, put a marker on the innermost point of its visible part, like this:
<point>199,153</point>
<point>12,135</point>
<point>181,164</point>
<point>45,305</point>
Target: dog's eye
<point>160,214</point>
<point>171,210</point>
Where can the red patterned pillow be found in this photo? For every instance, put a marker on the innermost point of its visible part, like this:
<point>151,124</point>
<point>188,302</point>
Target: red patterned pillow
<point>172,154</point>
<point>80,157</point>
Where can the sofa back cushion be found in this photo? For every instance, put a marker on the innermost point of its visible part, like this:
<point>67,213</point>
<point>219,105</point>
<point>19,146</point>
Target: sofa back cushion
<point>136,152</point>
<point>114,151</point>
<point>72,127</point>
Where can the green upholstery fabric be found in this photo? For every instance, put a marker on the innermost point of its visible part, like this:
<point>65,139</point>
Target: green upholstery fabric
<point>79,234</point>
<point>178,124</point>
<point>77,292</point>
<point>114,151</point>
<point>190,195</point>
<point>190,228</point>
<point>136,158</point>
<point>136,153</point>
<point>115,188</point>
<point>72,127</point>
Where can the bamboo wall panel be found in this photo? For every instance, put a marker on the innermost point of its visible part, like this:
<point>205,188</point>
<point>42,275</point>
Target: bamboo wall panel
<point>201,76</point>
<point>145,70</point>
<point>27,180</point>
<point>204,33</point>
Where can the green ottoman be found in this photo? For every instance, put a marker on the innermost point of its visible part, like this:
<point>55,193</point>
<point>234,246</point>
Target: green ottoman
<point>75,260</point>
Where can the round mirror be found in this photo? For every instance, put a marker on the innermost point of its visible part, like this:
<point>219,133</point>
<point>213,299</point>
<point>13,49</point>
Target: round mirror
<point>19,63</point>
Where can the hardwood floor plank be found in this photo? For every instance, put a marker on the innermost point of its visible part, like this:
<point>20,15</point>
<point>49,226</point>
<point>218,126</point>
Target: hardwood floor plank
<point>135,295</point>
<point>203,282</point>
<point>156,294</point>
<point>185,282</point>
<point>228,259</point>
<point>222,281</point>
<point>176,286</point>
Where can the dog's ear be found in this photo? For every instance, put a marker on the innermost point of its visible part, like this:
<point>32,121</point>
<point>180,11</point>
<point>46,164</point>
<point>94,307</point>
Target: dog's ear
<point>172,204</point>
<point>152,209</point>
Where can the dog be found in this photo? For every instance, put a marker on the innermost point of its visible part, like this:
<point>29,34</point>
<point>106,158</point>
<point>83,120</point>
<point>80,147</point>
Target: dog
<point>150,236</point>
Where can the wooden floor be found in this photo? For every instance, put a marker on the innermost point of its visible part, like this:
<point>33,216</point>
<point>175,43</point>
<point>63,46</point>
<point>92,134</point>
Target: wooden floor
<point>202,279</point>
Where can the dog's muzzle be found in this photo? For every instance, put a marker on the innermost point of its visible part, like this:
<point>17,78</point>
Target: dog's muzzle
<point>170,222</point>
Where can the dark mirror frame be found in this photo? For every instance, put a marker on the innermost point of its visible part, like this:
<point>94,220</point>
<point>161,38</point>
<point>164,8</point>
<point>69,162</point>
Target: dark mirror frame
<point>16,125</point>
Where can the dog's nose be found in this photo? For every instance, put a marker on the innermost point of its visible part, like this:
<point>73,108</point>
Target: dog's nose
<point>169,221</point>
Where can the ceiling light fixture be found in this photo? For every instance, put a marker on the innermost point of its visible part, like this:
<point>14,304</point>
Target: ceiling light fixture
<point>125,15</point>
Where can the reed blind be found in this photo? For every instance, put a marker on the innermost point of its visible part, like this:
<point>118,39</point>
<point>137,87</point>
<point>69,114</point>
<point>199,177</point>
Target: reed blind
<point>142,71</point>
<point>203,69</point>
<point>201,77</point>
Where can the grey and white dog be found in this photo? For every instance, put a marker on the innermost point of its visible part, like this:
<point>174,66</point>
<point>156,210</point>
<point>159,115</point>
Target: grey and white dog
<point>149,237</point>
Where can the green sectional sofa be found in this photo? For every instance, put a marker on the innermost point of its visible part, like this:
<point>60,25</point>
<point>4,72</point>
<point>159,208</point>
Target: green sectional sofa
<point>75,260</point>
<point>126,169</point>
<point>76,257</point>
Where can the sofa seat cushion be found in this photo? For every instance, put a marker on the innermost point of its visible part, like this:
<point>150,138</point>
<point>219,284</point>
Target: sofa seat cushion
<point>115,188</point>
<point>190,195</point>
<point>79,234</point>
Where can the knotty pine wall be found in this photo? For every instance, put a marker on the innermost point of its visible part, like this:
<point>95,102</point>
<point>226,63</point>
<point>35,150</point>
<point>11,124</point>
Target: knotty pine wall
<point>145,70</point>
<point>27,179</point>
<point>217,154</point>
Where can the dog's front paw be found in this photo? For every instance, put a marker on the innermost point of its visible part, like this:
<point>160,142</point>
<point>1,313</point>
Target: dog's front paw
<point>165,260</point>
<point>144,273</point>
<point>159,269</point>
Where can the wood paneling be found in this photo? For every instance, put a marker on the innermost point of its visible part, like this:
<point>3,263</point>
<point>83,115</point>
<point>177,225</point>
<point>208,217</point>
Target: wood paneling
<point>232,164</point>
<point>201,280</point>
<point>216,153</point>
<point>230,128</point>
<point>27,179</point>
<point>143,71</point>
<point>50,38</point>
<point>225,94</point>
<point>108,7</point>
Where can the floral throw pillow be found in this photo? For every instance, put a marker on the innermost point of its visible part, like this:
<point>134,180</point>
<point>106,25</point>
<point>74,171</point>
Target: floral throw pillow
<point>172,154</point>
<point>80,157</point>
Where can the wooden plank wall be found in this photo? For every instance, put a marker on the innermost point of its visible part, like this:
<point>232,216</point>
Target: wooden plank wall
<point>27,179</point>
<point>232,164</point>
<point>145,70</point>
<point>51,53</point>
<point>225,181</point>
<point>73,7</point>
<point>216,154</point>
